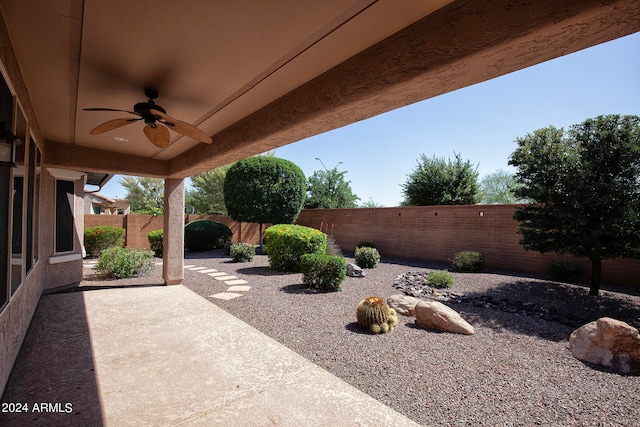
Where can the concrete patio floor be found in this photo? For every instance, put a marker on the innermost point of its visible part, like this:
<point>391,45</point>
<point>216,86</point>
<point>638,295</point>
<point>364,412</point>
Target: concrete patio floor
<point>159,355</point>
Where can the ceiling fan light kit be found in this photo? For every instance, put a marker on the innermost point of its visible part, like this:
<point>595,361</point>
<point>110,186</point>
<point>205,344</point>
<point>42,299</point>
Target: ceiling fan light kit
<point>152,114</point>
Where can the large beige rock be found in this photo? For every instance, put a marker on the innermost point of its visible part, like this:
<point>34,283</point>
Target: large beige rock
<point>608,342</point>
<point>403,304</point>
<point>437,316</point>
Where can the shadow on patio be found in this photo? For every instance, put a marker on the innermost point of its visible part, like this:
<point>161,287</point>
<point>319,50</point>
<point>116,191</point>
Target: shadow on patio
<point>163,355</point>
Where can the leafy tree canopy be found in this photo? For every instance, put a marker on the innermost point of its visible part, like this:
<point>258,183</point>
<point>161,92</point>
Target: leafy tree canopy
<point>328,189</point>
<point>264,190</point>
<point>145,195</point>
<point>498,188</point>
<point>207,193</point>
<point>584,185</point>
<point>436,181</point>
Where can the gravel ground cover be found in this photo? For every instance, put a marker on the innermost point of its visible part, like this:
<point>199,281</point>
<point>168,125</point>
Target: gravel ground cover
<point>516,369</point>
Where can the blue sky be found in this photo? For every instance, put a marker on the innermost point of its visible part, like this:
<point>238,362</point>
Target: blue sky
<point>480,122</point>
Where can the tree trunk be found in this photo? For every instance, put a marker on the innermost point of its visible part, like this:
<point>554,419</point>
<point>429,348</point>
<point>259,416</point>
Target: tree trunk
<point>596,273</point>
<point>261,242</point>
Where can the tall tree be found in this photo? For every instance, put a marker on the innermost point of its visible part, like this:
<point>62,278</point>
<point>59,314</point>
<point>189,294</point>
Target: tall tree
<point>498,188</point>
<point>264,190</point>
<point>207,195</point>
<point>584,185</point>
<point>145,195</point>
<point>436,181</point>
<point>329,189</point>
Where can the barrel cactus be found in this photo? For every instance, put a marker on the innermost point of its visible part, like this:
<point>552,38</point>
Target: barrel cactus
<point>375,315</point>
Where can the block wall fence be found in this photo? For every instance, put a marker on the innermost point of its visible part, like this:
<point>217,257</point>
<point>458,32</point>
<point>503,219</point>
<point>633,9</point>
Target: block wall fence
<point>429,233</point>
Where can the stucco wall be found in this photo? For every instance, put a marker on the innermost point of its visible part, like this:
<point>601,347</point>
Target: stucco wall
<point>437,233</point>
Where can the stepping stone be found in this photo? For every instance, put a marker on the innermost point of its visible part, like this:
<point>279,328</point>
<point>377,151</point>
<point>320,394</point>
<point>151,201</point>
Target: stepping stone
<point>219,273</point>
<point>197,268</point>
<point>188,266</point>
<point>236,282</point>
<point>224,278</point>
<point>238,288</point>
<point>208,270</point>
<point>225,296</point>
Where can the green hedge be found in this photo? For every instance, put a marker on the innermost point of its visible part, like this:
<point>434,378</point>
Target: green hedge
<point>155,241</point>
<point>323,272</point>
<point>204,235</point>
<point>286,243</point>
<point>97,239</point>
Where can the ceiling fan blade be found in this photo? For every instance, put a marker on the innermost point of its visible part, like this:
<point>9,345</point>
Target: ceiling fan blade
<point>110,109</point>
<point>183,128</point>
<point>111,125</point>
<point>158,135</point>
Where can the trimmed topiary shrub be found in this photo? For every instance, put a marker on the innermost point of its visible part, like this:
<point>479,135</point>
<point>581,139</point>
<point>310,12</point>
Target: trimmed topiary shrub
<point>367,257</point>
<point>155,241</point>
<point>97,239</point>
<point>242,252</point>
<point>323,272</point>
<point>565,271</point>
<point>375,315</point>
<point>468,261</point>
<point>204,235</point>
<point>440,279</point>
<point>286,243</point>
<point>121,263</point>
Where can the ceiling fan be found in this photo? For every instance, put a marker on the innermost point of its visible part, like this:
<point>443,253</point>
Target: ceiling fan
<point>153,116</point>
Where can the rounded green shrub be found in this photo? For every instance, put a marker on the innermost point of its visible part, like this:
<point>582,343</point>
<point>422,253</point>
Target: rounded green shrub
<point>323,272</point>
<point>374,315</point>
<point>367,257</point>
<point>565,271</point>
<point>440,279</point>
<point>121,263</point>
<point>204,235</point>
<point>286,243</point>
<point>97,239</point>
<point>242,252</point>
<point>155,241</point>
<point>467,261</point>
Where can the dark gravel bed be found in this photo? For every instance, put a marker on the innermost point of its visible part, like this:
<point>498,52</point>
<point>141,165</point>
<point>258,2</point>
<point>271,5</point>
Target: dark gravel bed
<point>516,369</point>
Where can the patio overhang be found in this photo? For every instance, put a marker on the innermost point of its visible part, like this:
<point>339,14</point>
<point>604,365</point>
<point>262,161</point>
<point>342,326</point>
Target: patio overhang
<point>255,85</point>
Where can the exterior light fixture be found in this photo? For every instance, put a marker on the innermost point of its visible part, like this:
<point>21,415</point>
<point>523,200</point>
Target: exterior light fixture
<point>8,142</point>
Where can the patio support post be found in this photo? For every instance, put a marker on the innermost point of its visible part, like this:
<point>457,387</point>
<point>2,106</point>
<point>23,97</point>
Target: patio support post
<point>173,244</point>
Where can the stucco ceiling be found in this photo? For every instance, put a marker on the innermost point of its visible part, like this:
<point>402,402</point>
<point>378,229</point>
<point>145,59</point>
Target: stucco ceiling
<point>213,62</point>
<point>258,74</point>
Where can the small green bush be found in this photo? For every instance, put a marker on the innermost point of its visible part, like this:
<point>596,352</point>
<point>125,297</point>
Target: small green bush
<point>286,243</point>
<point>440,279</point>
<point>121,263</point>
<point>365,245</point>
<point>323,272</point>
<point>367,257</point>
<point>468,261</point>
<point>97,239</point>
<point>204,235</point>
<point>155,241</point>
<point>565,271</point>
<point>242,252</point>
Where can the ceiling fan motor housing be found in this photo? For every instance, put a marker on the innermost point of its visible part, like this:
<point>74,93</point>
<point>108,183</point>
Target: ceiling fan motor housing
<point>144,109</point>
